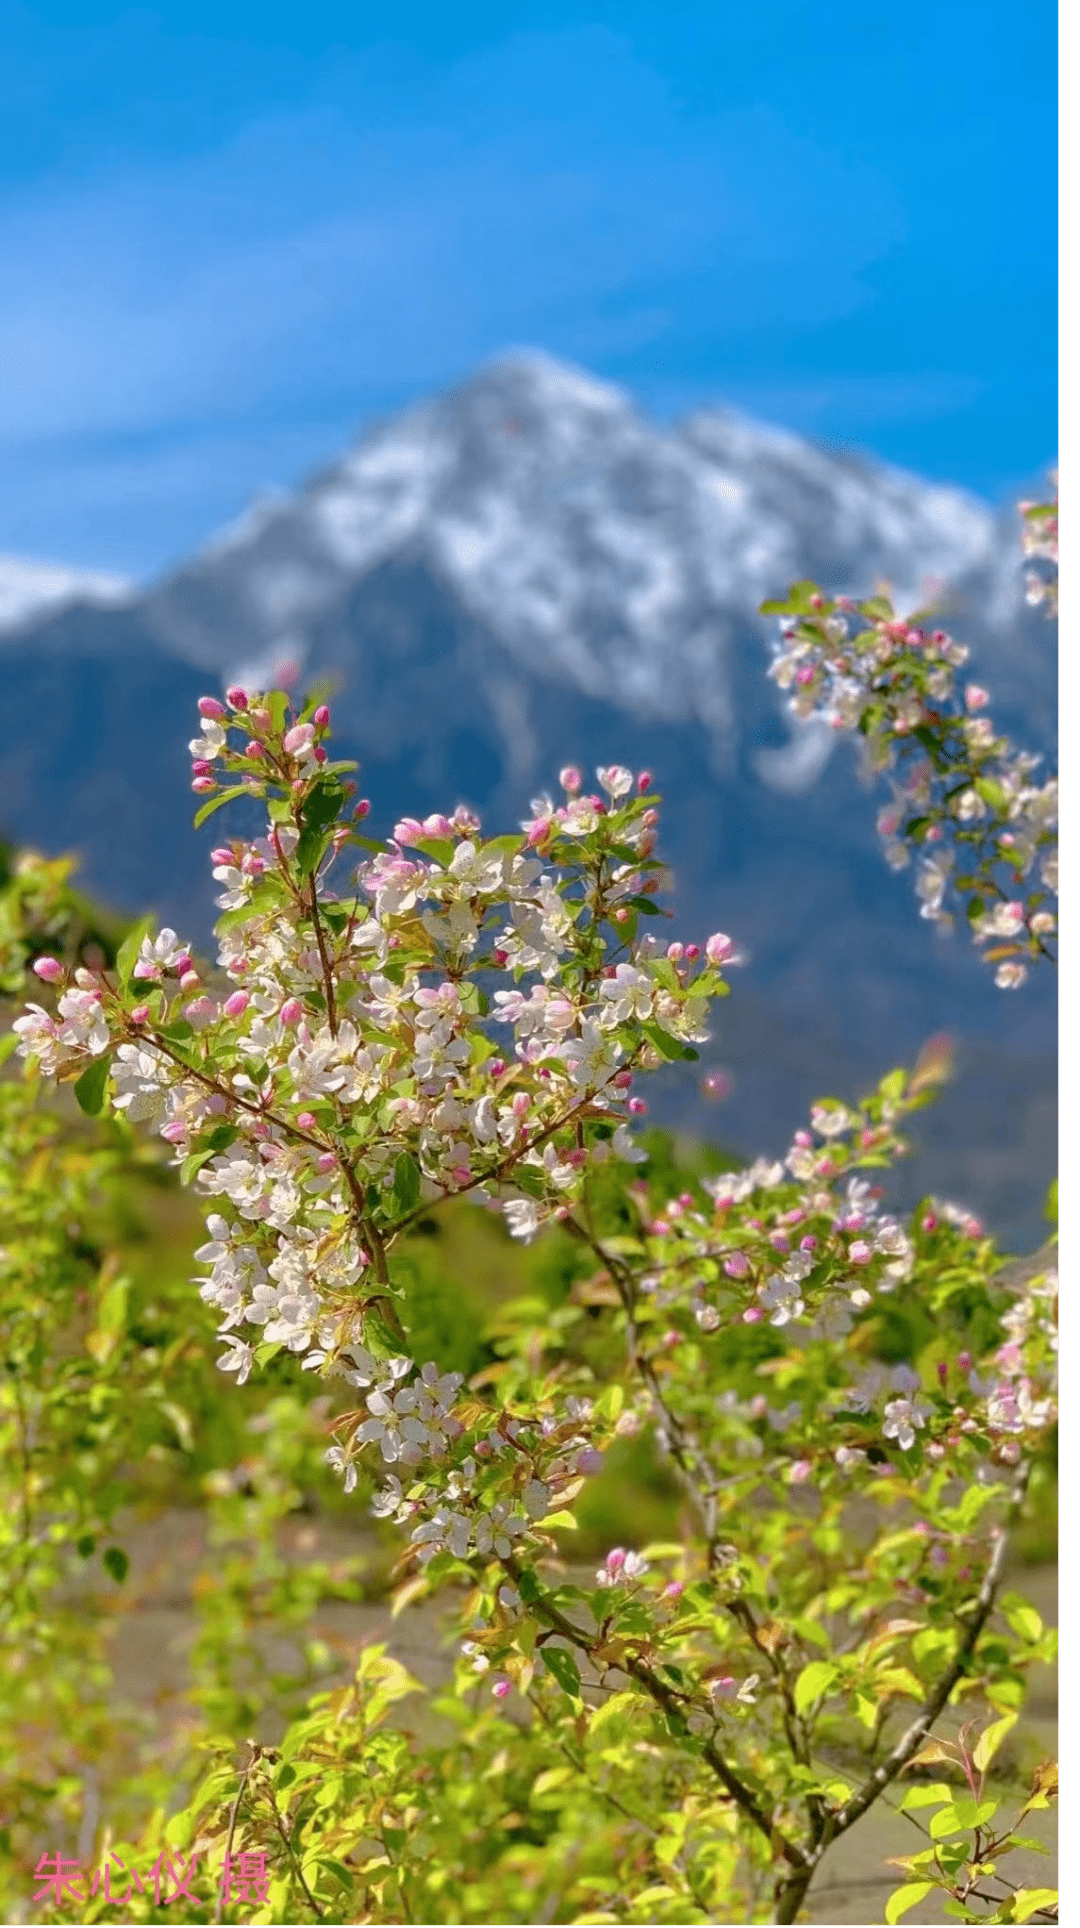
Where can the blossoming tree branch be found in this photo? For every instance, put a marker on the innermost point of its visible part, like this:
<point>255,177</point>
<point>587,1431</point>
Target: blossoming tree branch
<point>857,1409</point>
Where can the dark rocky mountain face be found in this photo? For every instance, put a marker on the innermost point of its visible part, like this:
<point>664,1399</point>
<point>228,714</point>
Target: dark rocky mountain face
<point>524,573</point>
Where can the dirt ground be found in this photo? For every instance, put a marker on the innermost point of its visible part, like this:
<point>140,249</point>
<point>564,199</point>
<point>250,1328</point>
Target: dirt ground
<point>149,1657</point>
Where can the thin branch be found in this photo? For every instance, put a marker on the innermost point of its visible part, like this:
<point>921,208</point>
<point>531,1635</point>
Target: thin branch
<point>912,1739</point>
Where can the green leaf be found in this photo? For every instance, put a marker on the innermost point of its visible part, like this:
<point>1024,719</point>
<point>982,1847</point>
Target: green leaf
<point>814,1681</point>
<point>1050,1209</point>
<point>406,1183</point>
<point>214,803</point>
<point>529,1587</point>
<point>930,1795</point>
<point>85,1546</point>
<point>439,849</point>
<point>990,1740</point>
<point>798,601</point>
<point>1027,1900</point>
<point>1022,1617</point>
<point>193,1163</point>
<point>562,1667</point>
<point>906,1897</point>
<point>309,851</point>
<point>128,955</point>
<point>90,1088</point>
<point>668,1047</point>
<point>991,792</point>
<point>116,1563</point>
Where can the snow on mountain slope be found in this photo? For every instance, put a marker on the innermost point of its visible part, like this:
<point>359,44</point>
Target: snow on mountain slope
<point>28,589</point>
<point>527,571</point>
<point>601,549</point>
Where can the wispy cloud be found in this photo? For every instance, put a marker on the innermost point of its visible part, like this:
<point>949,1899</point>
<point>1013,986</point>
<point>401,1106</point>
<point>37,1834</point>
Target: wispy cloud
<point>177,334</point>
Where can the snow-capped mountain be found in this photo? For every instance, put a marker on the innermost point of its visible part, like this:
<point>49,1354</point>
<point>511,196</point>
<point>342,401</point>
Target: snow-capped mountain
<point>607,553</point>
<point>527,570</point>
<point>28,589</point>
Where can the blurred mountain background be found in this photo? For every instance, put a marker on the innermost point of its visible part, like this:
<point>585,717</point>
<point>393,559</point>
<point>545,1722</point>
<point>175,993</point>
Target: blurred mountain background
<point>527,570</point>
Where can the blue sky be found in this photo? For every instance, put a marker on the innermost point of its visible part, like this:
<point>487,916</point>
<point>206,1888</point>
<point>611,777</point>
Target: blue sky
<point>233,233</point>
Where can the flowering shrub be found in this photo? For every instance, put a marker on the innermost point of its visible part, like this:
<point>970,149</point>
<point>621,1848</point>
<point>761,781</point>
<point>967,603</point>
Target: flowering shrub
<point>963,799</point>
<point>857,1410</point>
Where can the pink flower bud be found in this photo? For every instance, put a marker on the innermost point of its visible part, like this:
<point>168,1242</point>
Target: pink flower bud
<point>175,1132</point>
<point>799,1470</point>
<point>237,698</point>
<point>321,717</point>
<point>222,855</point>
<point>674,1590</point>
<point>501,957</point>
<point>184,962</point>
<point>622,914</point>
<point>718,948</point>
<point>975,697</point>
<point>140,1014</point>
<point>292,1011</point>
<point>637,1107</point>
<point>501,1687</point>
<point>805,674</point>
<point>588,1461</point>
<point>298,739</point>
<point>253,749</point>
<point>437,825</point>
<point>320,753</point>
<point>190,981</point>
<point>201,767</point>
<point>49,969</point>
<point>929,1223</point>
<point>860,1253</point>
<point>326,1162</point>
<point>497,1067</point>
<point>201,785</point>
<point>674,952</point>
<point>644,781</point>
<point>736,1265</point>
<point>362,810</point>
<point>753,1315</point>
<point>209,706</point>
<point>808,1244</point>
<point>623,1080</point>
<point>693,952</point>
<point>570,778</point>
<point>237,1004</point>
<point>306,1121</point>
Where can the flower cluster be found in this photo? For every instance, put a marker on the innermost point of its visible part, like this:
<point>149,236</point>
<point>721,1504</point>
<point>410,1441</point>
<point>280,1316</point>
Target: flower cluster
<point>964,801</point>
<point>451,1015</point>
<point>1040,543</point>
